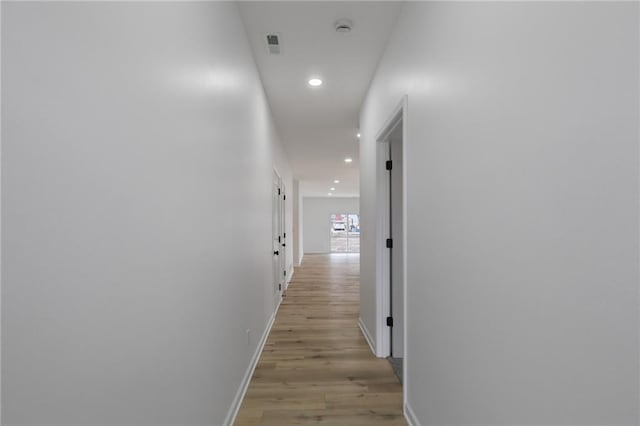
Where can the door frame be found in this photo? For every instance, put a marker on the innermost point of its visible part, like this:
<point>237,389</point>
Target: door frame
<point>383,279</point>
<point>283,232</point>
<point>280,225</point>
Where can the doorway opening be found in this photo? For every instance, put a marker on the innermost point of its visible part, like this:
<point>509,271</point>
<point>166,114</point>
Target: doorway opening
<point>344,233</point>
<point>391,177</point>
<point>396,252</point>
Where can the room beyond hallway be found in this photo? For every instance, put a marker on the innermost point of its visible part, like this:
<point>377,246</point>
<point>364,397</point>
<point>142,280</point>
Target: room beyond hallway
<point>316,367</point>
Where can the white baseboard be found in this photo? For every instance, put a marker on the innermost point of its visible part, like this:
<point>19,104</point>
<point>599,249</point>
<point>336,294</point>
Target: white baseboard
<point>367,336</point>
<point>289,276</point>
<point>410,416</point>
<point>246,380</point>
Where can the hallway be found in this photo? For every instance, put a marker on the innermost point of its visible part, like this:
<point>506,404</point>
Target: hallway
<point>316,367</point>
<point>219,213</point>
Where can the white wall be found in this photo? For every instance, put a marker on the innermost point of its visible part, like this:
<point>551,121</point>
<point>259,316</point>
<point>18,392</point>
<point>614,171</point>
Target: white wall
<point>522,199</point>
<point>317,220</point>
<point>136,207</point>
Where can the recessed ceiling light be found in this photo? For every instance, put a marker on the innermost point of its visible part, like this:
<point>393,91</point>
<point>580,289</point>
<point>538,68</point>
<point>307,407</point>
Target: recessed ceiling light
<point>358,135</point>
<point>336,181</point>
<point>348,160</point>
<point>333,189</point>
<point>315,82</point>
<point>328,193</point>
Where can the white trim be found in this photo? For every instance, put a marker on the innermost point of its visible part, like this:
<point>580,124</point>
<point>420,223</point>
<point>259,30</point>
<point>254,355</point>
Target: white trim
<point>367,335</point>
<point>410,415</point>
<point>246,380</point>
<point>399,114</point>
<point>275,169</point>
<point>279,290</point>
<point>284,267</point>
<point>405,324</point>
<point>391,122</point>
<point>290,273</point>
<point>382,253</point>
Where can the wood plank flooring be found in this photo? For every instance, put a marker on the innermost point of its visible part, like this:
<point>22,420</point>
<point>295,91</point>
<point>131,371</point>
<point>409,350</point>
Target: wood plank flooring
<point>316,367</point>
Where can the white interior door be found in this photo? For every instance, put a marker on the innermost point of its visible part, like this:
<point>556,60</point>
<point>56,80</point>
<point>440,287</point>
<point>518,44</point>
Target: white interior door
<point>276,234</point>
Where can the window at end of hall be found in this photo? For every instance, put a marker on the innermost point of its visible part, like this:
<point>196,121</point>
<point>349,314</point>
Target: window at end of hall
<point>345,233</point>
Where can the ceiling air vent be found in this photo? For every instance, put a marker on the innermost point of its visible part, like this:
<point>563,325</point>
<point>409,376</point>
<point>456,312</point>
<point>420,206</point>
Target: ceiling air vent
<point>343,26</point>
<point>273,44</point>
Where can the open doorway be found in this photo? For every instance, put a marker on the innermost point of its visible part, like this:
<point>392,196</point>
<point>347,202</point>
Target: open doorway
<point>396,252</point>
<point>392,232</point>
<point>344,233</point>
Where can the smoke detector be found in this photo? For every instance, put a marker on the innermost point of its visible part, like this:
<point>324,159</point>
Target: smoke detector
<point>343,26</point>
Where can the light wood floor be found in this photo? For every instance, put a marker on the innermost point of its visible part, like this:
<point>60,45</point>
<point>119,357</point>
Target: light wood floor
<point>316,368</point>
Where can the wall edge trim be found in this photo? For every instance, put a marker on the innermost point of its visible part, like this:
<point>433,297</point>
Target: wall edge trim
<point>410,415</point>
<point>367,336</point>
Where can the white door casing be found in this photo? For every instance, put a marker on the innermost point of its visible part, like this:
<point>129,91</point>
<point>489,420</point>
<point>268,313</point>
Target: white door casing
<point>276,222</point>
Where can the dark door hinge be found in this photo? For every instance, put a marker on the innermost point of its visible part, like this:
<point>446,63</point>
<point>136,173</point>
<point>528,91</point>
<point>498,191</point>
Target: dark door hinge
<point>285,235</point>
<point>389,321</point>
<point>278,191</point>
<point>284,273</point>
<point>389,164</point>
<point>279,286</point>
<point>279,238</point>
<point>284,197</point>
<point>389,243</point>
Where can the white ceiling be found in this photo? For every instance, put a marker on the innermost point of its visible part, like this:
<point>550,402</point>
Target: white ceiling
<point>318,126</point>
